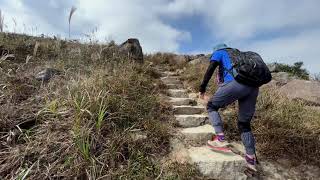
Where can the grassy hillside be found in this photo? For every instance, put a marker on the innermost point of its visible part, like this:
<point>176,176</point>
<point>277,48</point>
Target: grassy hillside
<point>100,118</point>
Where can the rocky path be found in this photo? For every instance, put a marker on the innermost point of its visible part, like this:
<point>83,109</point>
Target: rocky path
<point>189,142</point>
<point>193,130</point>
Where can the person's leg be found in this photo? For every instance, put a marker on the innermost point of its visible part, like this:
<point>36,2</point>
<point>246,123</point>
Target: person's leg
<point>246,112</point>
<point>225,95</point>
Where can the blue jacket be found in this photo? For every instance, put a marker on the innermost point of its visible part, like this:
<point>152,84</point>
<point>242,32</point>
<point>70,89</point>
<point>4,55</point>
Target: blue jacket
<point>225,63</point>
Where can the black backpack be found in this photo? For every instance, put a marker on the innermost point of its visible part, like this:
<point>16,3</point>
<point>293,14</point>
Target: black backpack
<point>248,68</point>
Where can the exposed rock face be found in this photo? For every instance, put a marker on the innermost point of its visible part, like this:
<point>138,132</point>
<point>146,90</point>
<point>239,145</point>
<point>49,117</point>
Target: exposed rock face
<point>47,74</point>
<point>133,48</point>
<point>202,59</point>
<point>272,67</point>
<point>283,77</point>
<point>198,59</point>
<point>308,91</point>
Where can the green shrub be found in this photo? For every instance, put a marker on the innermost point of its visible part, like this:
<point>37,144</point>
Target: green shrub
<point>295,69</point>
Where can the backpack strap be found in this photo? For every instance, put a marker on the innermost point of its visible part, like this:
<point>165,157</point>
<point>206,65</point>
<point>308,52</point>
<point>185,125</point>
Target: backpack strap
<point>233,59</point>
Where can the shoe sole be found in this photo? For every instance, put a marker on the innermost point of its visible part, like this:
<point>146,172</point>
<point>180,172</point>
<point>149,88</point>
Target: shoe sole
<point>220,149</point>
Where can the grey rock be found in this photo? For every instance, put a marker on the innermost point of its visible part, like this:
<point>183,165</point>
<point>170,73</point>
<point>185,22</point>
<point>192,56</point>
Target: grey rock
<point>133,48</point>
<point>307,91</point>
<point>198,135</point>
<point>187,121</point>
<point>181,101</point>
<point>180,59</point>
<point>170,80</point>
<point>215,165</point>
<point>47,74</point>
<point>272,67</point>
<point>282,77</point>
<point>188,110</point>
<point>174,86</point>
<point>178,93</point>
<point>199,60</point>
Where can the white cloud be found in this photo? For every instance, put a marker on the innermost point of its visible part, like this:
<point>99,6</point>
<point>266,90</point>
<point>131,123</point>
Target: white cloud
<point>133,19</point>
<point>287,29</point>
<point>112,18</point>
<point>302,47</point>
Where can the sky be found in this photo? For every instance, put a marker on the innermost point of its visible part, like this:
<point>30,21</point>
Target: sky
<point>284,31</point>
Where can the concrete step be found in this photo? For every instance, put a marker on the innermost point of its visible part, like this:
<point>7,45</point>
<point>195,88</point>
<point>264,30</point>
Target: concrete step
<point>170,80</point>
<point>188,121</point>
<point>168,73</point>
<point>197,135</point>
<point>188,110</point>
<point>174,86</point>
<point>182,101</point>
<point>178,93</point>
<point>217,165</point>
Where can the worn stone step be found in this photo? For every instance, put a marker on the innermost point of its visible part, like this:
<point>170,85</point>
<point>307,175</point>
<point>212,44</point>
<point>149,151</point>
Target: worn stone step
<point>178,93</point>
<point>187,121</point>
<point>182,101</point>
<point>168,73</point>
<point>171,80</point>
<point>197,135</point>
<point>174,86</point>
<point>188,110</point>
<point>217,165</point>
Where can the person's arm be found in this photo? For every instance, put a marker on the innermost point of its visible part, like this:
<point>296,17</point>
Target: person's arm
<point>213,65</point>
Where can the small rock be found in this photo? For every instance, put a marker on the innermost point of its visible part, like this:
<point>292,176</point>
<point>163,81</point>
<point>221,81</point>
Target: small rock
<point>138,136</point>
<point>47,74</point>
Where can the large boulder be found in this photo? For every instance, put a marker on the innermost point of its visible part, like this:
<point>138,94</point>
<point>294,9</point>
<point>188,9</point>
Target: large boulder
<point>180,59</point>
<point>133,49</point>
<point>282,78</point>
<point>199,60</point>
<point>273,67</point>
<point>308,91</point>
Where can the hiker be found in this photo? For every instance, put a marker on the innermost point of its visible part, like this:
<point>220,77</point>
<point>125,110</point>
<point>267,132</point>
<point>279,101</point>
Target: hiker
<point>234,86</point>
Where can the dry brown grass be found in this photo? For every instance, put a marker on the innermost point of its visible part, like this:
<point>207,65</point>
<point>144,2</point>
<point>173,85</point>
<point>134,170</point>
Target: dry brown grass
<point>193,75</point>
<point>83,123</point>
<point>165,60</point>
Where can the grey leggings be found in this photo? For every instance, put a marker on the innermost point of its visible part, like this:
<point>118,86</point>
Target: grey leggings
<point>247,98</point>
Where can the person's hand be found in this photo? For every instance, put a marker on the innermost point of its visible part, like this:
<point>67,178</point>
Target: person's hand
<point>202,95</point>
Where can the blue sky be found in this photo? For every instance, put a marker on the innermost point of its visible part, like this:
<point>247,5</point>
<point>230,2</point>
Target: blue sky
<point>284,31</point>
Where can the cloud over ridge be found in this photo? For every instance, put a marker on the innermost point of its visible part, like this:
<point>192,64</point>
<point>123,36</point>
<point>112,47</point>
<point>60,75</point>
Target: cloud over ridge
<point>287,30</point>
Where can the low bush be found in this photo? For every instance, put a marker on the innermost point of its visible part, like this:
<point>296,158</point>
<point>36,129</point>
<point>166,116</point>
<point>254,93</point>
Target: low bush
<point>295,70</point>
<point>193,75</point>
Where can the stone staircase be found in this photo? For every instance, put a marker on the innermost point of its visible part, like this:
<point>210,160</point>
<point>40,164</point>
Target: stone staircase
<point>189,142</point>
